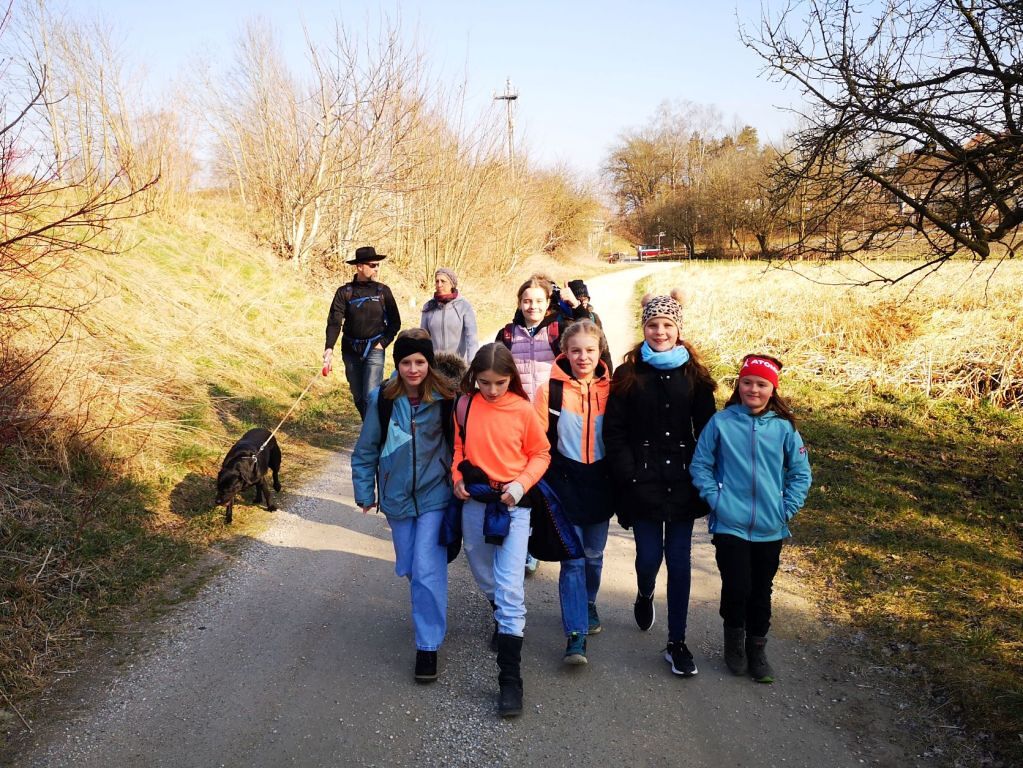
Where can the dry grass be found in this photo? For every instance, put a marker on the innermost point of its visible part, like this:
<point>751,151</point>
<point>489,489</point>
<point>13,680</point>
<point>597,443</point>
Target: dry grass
<point>957,334</point>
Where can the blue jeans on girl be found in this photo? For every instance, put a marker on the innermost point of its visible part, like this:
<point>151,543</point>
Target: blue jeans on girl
<point>672,543</point>
<point>419,558</point>
<point>498,570</point>
<point>580,579</point>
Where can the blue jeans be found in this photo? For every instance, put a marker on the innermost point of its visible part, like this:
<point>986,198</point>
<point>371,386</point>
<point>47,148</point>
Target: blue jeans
<point>673,543</point>
<point>580,579</point>
<point>364,375</point>
<point>419,558</point>
<point>499,570</point>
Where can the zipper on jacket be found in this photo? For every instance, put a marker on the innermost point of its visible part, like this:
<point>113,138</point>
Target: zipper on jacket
<point>753,459</point>
<point>415,502</point>
<point>586,434</point>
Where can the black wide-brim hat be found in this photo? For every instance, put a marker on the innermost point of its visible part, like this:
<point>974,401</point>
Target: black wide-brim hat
<point>365,255</point>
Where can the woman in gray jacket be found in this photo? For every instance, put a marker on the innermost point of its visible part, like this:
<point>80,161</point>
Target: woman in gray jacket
<point>449,318</point>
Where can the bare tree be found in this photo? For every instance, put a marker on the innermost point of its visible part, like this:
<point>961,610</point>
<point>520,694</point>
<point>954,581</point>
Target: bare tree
<point>912,123</point>
<point>54,211</point>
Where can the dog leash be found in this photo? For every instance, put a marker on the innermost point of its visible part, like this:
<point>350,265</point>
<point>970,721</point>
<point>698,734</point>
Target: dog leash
<point>324,372</point>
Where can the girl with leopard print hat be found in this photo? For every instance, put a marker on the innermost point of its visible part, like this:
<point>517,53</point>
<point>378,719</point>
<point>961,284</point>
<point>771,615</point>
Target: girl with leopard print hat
<point>661,398</point>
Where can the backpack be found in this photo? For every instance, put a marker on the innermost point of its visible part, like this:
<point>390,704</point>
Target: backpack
<point>557,391</point>
<point>385,407</point>
<point>349,290</point>
<point>553,336</point>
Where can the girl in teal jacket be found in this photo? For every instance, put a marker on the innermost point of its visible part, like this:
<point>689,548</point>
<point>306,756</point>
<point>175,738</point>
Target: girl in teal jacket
<point>751,467</point>
<point>406,454</point>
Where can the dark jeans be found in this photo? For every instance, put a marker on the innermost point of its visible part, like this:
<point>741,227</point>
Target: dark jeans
<point>747,573</point>
<point>363,374</point>
<point>672,543</point>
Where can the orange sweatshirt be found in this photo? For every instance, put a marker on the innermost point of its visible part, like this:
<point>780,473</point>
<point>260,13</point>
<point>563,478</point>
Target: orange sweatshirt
<point>504,439</point>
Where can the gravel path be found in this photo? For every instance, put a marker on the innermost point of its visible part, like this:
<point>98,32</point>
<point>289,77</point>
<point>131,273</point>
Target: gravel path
<point>301,654</point>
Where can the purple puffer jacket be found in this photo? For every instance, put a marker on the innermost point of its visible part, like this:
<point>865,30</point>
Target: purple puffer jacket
<point>533,356</point>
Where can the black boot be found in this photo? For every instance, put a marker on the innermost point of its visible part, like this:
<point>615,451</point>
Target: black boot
<point>759,668</point>
<point>493,637</point>
<point>509,656</point>
<point>735,652</point>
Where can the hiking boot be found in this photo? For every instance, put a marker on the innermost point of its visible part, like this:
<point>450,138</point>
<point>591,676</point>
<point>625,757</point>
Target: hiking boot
<point>593,619</point>
<point>677,654</point>
<point>426,666</point>
<point>643,610</point>
<point>735,651</point>
<point>759,667</point>
<point>509,656</point>
<point>531,564</point>
<point>575,651</point>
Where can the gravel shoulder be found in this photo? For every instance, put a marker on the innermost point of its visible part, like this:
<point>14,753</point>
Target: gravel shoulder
<point>300,653</point>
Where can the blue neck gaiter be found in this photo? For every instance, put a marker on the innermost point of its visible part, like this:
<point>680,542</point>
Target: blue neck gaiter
<point>664,361</point>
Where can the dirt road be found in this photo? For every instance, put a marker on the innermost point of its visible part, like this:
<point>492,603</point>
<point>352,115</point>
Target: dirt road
<point>301,654</point>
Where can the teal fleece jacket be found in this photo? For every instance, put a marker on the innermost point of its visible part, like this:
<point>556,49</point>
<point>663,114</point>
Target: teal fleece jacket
<point>409,461</point>
<point>753,471</point>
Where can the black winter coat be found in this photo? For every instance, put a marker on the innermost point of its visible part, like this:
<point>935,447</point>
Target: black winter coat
<point>650,435</point>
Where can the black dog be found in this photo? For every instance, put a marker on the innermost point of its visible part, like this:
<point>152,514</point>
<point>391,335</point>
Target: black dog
<point>245,465</point>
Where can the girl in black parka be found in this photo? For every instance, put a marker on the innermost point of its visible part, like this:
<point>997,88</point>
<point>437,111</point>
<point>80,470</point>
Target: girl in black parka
<point>661,398</point>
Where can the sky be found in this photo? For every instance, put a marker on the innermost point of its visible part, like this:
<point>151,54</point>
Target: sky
<point>584,71</point>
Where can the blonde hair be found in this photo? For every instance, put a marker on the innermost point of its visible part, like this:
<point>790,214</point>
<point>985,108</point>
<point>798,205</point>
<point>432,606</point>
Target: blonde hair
<point>589,328</point>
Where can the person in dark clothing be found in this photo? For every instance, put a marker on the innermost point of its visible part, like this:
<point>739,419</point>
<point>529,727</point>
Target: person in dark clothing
<point>583,310</point>
<point>661,398</point>
<point>365,316</point>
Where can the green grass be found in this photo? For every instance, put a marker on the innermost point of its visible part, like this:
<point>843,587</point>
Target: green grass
<point>914,525</point>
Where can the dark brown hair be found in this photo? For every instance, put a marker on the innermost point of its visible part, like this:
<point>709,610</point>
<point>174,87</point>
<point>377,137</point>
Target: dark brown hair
<point>493,357</point>
<point>776,402</point>
<point>698,373</point>
<point>431,383</point>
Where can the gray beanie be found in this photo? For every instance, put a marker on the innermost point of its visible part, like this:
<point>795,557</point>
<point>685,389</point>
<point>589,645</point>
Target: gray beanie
<point>449,274</point>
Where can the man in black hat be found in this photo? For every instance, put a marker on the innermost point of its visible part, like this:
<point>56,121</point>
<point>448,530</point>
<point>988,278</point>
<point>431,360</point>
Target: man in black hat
<point>369,316</point>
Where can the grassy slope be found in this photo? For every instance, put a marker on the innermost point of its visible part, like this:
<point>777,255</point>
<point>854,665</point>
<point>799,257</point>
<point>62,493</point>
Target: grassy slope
<point>205,336</point>
<point>913,526</point>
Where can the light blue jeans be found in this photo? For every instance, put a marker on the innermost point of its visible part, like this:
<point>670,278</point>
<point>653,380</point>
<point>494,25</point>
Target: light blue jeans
<point>580,579</point>
<point>419,558</point>
<point>499,570</point>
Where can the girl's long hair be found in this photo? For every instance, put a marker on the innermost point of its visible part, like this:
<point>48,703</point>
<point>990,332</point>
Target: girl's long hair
<point>493,357</point>
<point>431,385</point>
<point>775,403</point>
<point>694,369</point>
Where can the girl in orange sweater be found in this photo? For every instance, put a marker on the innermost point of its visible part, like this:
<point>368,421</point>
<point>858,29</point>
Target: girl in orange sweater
<point>501,451</point>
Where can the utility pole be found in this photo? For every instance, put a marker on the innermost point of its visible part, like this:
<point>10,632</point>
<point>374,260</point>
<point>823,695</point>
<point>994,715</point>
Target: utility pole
<point>508,97</point>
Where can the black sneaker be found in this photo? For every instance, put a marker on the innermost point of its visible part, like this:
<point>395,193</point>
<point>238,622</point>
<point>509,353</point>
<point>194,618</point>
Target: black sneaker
<point>681,660</point>
<point>643,610</point>
<point>426,666</point>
